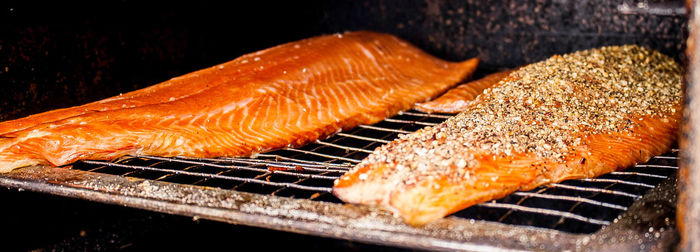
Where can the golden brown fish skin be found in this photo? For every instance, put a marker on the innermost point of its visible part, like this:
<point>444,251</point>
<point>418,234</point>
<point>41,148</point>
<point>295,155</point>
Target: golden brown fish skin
<point>458,99</point>
<point>287,95</point>
<point>573,116</point>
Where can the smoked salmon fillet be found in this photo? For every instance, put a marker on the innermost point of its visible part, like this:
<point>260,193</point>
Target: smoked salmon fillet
<point>286,95</point>
<point>577,115</point>
<point>457,99</point>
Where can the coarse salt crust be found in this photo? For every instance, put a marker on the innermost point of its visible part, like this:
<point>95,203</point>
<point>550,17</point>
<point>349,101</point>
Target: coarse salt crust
<point>541,109</point>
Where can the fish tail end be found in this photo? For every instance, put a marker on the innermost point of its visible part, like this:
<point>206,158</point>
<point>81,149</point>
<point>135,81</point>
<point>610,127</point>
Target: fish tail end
<point>10,160</point>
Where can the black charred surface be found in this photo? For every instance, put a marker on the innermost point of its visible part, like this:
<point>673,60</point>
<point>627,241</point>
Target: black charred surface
<point>512,33</point>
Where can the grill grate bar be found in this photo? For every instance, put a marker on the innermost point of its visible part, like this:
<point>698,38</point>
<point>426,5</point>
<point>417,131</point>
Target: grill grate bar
<point>570,198</point>
<point>324,155</point>
<point>348,148</point>
<point>593,189</point>
<point>212,176</point>
<point>415,113</point>
<point>170,175</point>
<point>97,168</point>
<point>617,181</point>
<point>301,175</point>
<point>299,161</point>
<point>258,177</point>
<point>385,129</point>
<point>136,171</point>
<point>364,138</point>
<point>656,166</point>
<point>638,174</point>
<point>290,165</point>
<point>545,212</point>
<point>240,167</point>
<point>410,122</point>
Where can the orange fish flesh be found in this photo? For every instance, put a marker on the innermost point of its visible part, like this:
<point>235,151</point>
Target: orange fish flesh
<point>287,95</point>
<point>577,115</point>
<point>458,99</point>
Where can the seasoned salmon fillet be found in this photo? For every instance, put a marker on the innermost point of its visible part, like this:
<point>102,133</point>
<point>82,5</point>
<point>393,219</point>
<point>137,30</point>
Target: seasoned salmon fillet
<point>286,95</point>
<point>577,115</point>
<point>458,99</point>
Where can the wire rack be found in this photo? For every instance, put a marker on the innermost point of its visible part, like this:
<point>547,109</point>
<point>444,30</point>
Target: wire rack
<point>576,206</point>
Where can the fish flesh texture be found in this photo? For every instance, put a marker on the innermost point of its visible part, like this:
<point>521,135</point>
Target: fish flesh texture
<point>577,115</point>
<point>287,95</point>
<point>458,99</point>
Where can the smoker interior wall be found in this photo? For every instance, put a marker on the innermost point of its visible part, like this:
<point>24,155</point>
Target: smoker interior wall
<point>59,54</point>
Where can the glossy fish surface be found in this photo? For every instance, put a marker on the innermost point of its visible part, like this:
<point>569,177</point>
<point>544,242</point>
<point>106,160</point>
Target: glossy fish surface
<point>577,115</point>
<point>287,95</point>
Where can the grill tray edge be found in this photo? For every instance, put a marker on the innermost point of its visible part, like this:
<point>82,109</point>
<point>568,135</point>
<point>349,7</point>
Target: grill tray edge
<point>644,226</point>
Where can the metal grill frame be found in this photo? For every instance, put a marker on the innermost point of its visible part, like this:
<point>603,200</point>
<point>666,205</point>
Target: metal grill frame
<point>362,223</point>
<point>559,206</point>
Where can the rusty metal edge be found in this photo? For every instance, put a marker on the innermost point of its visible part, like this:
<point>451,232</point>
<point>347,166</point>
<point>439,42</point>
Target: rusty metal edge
<point>688,216</point>
<point>340,221</point>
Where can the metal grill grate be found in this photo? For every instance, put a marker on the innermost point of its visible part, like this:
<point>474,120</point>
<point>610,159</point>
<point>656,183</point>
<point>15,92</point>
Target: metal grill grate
<point>577,206</point>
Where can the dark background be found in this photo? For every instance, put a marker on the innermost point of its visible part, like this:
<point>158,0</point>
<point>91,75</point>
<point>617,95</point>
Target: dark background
<point>63,53</point>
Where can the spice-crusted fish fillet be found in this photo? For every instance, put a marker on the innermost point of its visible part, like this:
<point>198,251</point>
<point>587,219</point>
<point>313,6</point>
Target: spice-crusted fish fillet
<point>572,116</point>
<point>458,99</point>
<point>287,95</point>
